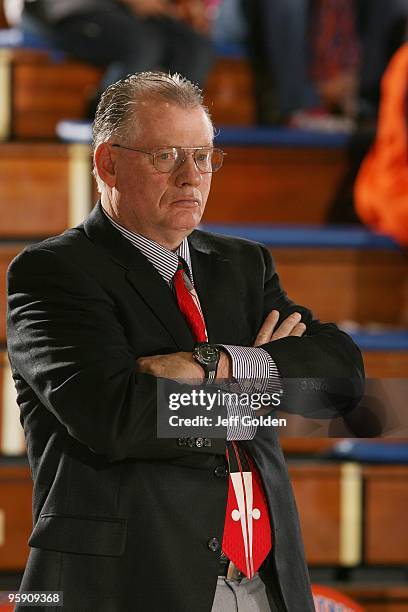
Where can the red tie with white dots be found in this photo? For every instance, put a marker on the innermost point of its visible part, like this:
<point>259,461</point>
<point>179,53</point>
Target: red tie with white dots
<point>247,530</point>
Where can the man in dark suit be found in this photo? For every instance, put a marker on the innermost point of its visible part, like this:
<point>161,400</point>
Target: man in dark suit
<point>124,519</point>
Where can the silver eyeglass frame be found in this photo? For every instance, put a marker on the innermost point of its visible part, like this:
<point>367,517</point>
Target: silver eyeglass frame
<point>153,153</point>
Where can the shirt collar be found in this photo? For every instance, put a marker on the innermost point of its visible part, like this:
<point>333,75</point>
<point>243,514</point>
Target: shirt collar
<point>164,260</point>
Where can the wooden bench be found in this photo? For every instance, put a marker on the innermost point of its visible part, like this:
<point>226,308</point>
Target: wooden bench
<point>329,500</point>
<point>351,300</point>
<point>41,87</point>
<point>39,91</point>
<point>386,511</point>
<point>318,492</point>
<point>344,284</point>
<point>386,364</point>
<point>261,192</point>
<point>339,273</point>
<point>228,92</point>
<point>275,184</point>
<point>44,188</point>
<point>307,446</point>
<point>350,514</point>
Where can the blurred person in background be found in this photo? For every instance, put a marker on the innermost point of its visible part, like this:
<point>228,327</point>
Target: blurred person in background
<point>381,187</point>
<point>297,48</point>
<point>318,63</point>
<point>127,36</point>
<point>335,60</point>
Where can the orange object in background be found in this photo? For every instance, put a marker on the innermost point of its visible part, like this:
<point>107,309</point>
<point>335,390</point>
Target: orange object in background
<point>326,598</point>
<point>381,187</point>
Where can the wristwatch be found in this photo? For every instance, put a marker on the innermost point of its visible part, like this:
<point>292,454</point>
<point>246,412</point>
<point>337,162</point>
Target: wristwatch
<point>208,356</point>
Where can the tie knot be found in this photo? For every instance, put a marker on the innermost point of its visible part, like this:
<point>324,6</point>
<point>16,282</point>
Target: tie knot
<point>182,265</point>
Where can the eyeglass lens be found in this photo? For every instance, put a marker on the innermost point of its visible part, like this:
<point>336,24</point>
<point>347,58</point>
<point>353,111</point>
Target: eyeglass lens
<point>206,159</point>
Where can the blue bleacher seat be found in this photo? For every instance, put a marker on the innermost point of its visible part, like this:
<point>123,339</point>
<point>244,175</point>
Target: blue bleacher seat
<point>79,131</point>
<point>231,50</point>
<point>328,237</point>
<point>15,38</point>
<point>339,236</point>
<point>395,340</point>
<point>280,137</point>
<point>371,452</point>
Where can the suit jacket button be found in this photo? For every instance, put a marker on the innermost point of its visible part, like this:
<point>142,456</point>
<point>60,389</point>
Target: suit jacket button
<point>190,442</point>
<point>221,471</point>
<point>181,442</point>
<point>199,442</point>
<point>213,544</point>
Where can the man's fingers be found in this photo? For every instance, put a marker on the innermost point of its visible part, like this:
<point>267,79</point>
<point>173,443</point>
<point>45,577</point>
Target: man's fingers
<point>298,330</point>
<point>287,326</point>
<point>266,331</point>
<point>291,326</point>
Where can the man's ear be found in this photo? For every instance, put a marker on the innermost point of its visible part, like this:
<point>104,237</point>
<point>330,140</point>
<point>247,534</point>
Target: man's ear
<point>105,163</point>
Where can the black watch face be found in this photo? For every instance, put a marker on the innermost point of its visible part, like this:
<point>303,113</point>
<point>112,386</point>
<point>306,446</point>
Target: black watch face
<point>207,353</point>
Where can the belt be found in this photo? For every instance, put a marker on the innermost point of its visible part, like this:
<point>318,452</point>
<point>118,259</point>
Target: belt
<point>228,570</point>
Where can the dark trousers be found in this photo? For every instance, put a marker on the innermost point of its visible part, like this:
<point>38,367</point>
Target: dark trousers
<point>279,51</point>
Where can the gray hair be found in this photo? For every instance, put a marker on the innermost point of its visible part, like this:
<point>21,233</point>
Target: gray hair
<point>117,108</point>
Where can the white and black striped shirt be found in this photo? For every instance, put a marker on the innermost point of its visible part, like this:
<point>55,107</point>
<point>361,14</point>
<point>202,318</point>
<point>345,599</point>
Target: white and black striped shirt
<point>253,368</point>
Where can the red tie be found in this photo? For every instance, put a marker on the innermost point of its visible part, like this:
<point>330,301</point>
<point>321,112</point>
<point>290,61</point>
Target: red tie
<point>247,530</point>
<point>188,303</point>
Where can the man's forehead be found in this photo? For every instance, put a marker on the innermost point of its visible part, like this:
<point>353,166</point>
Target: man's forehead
<point>163,121</point>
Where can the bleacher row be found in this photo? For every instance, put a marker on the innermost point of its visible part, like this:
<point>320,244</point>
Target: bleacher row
<point>277,187</point>
<point>348,514</point>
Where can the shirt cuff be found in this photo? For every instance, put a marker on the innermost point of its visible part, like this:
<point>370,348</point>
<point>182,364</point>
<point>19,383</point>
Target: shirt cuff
<point>255,372</point>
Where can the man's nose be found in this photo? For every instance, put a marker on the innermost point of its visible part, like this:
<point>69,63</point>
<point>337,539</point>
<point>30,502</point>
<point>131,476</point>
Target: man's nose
<point>188,173</point>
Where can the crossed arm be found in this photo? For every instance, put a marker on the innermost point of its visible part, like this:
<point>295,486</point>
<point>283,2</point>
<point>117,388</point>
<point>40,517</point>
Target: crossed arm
<point>181,365</point>
<point>69,351</point>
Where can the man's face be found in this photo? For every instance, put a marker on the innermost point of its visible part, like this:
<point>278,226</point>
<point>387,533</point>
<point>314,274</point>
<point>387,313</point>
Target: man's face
<point>164,207</point>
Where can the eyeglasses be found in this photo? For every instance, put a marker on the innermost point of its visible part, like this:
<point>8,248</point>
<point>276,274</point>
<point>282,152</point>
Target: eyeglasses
<point>207,159</point>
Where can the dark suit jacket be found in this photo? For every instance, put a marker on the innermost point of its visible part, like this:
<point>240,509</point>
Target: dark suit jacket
<point>122,520</point>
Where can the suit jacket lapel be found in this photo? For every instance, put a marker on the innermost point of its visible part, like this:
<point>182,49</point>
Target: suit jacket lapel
<point>213,280</point>
<point>143,277</point>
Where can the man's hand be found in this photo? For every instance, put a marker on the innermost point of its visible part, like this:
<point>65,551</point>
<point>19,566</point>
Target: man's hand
<point>291,326</point>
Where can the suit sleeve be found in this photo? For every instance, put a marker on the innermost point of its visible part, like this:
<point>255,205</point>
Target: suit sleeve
<point>65,340</point>
<point>322,371</point>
